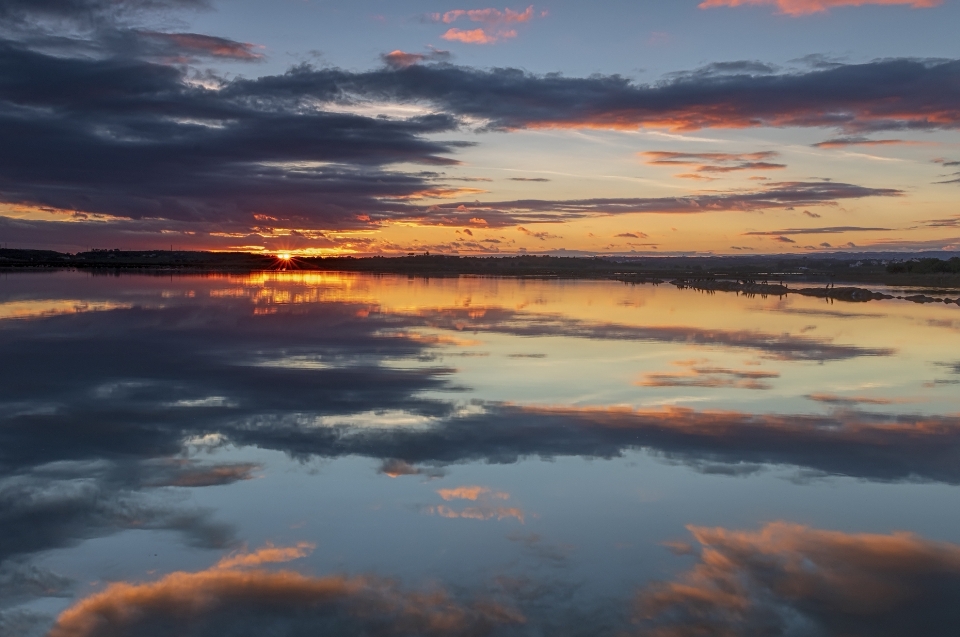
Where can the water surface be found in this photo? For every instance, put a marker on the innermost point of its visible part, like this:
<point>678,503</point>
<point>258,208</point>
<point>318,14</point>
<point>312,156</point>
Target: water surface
<point>294,453</point>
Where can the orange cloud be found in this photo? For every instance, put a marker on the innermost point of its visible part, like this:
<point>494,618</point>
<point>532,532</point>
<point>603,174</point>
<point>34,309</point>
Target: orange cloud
<point>269,554</point>
<point>494,19</point>
<point>470,493</point>
<point>476,36</point>
<point>806,7</point>
<point>220,601</point>
<point>786,576</point>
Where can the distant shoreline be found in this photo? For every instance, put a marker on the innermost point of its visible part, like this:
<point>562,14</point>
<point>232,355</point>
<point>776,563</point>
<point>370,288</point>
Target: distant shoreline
<point>747,274</point>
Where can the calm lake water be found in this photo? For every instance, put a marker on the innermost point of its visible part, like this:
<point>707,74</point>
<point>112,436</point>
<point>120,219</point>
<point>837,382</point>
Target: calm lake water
<point>294,454</point>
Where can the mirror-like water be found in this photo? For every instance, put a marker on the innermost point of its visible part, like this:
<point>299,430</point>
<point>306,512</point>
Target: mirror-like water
<point>305,454</point>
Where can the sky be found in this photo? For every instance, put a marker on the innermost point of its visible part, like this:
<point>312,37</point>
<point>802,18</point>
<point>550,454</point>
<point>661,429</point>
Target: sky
<point>372,127</point>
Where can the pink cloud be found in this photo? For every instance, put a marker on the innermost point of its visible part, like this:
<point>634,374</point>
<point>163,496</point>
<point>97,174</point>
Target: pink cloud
<point>476,36</point>
<point>495,21</point>
<point>806,7</point>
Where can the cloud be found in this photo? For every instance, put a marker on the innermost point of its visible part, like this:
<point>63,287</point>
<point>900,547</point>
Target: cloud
<point>477,36</point>
<point>533,544</point>
<point>806,7</point>
<point>784,239</point>
<point>50,508</point>
<point>86,10</point>
<point>396,468</point>
<point>401,59</point>
<point>771,195</point>
<point>534,179</point>
<point>267,555</point>
<point>542,236</point>
<point>949,222</point>
<point>191,474</point>
<point>499,320</point>
<point>486,16</point>
<point>889,94</point>
<point>833,399</point>
<point>843,142</point>
<point>471,493</point>
<point>476,513</point>
<point>233,603</point>
<point>828,230</point>
<point>792,579</point>
<point>19,581</point>
<point>698,375</point>
<point>205,160</point>
<point>632,235</point>
<point>180,47</point>
<point>714,162</point>
<point>495,22</point>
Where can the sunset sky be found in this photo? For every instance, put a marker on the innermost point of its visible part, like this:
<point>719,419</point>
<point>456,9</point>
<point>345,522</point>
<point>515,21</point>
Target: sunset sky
<point>374,127</point>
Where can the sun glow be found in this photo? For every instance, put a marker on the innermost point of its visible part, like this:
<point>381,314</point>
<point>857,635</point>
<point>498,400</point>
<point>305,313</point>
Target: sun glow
<point>284,256</point>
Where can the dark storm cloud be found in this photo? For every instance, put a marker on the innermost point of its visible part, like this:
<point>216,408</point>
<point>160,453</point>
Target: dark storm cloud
<point>787,579</point>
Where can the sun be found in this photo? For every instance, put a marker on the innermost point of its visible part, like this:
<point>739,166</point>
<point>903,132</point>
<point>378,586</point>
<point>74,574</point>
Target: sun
<point>284,256</point>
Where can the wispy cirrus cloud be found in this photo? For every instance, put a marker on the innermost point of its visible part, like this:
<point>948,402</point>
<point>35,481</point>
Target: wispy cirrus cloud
<point>829,230</point>
<point>772,195</point>
<point>806,7</point>
<point>714,162</point>
<point>698,374</point>
<point>843,142</point>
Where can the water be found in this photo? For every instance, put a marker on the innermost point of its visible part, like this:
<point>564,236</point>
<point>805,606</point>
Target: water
<point>301,454</point>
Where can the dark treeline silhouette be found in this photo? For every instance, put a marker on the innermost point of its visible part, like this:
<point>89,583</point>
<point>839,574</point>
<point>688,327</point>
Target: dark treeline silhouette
<point>926,266</point>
